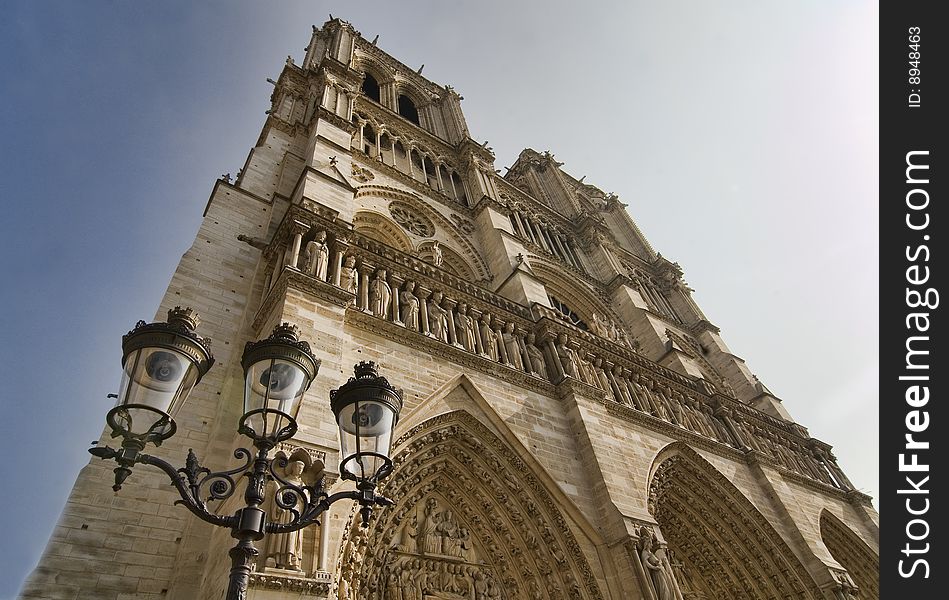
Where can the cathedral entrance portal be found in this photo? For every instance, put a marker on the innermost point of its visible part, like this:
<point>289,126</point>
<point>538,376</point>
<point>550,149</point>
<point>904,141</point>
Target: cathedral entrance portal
<point>471,523</point>
<point>720,546</point>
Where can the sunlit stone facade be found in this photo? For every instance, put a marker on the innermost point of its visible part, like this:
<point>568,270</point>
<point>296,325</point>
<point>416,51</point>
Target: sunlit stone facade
<point>574,426</point>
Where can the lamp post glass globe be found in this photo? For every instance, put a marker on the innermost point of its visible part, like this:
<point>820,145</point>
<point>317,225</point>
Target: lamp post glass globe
<point>277,372</point>
<point>161,364</point>
<point>367,411</point>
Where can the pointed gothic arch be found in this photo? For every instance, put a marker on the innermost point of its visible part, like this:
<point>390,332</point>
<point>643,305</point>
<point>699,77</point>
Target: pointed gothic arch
<point>470,516</point>
<point>852,553</point>
<point>381,229</point>
<point>724,547</point>
<point>582,299</point>
<point>453,238</point>
<point>451,260</point>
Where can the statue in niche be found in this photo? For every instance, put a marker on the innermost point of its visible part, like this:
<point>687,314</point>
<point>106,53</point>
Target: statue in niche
<point>652,563</point>
<point>317,257</point>
<point>463,328</point>
<point>488,337</point>
<point>437,256</point>
<point>538,365</point>
<point>348,275</point>
<point>285,550</point>
<point>438,318</point>
<point>380,295</point>
<point>513,349</point>
<point>410,304</point>
<point>567,358</point>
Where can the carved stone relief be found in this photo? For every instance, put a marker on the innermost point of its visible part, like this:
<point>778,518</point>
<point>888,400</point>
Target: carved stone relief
<point>472,522</point>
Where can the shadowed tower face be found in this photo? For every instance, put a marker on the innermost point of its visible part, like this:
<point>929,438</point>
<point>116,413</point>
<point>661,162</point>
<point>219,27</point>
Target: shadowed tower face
<point>574,425</point>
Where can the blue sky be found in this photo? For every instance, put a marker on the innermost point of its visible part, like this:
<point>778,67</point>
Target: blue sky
<point>743,136</point>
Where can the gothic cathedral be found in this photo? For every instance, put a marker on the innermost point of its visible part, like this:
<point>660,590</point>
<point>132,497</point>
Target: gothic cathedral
<point>574,426</point>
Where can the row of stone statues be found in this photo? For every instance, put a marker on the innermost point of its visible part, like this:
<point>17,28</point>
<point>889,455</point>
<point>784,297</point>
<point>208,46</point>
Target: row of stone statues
<point>455,323</point>
<point>398,299</point>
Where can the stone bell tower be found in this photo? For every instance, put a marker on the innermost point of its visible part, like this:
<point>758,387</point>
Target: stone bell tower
<point>574,425</point>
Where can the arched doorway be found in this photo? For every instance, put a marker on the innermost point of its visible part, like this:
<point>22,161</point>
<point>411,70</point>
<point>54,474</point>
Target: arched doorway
<point>853,554</point>
<point>470,521</point>
<point>720,545</point>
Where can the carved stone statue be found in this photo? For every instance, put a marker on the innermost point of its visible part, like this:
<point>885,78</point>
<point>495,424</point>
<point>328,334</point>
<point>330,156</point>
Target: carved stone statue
<point>464,328</point>
<point>488,338</point>
<point>513,349</point>
<point>438,318</point>
<point>652,563</point>
<point>409,304</point>
<point>317,257</point>
<point>432,537</point>
<point>567,358</point>
<point>597,325</point>
<point>437,256</point>
<point>348,275</point>
<point>285,550</point>
<point>380,295</point>
<point>538,365</point>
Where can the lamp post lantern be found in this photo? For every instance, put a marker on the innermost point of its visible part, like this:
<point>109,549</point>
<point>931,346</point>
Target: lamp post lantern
<point>162,362</point>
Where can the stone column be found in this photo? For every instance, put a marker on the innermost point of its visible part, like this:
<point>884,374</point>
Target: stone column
<point>725,415</point>
<point>499,339</point>
<point>522,344</point>
<point>438,174</point>
<point>454,190</point>
<point>520,224</point>
<point>476,329</point>
<point>295,244</point>
<point>324,543</point>
<point>422,294</point>
<point>559,373</point>
<point>395,282</point>
<point>449,305</point>
<point>339,252</point>
<point>542,238</point>
<point>364,270</point>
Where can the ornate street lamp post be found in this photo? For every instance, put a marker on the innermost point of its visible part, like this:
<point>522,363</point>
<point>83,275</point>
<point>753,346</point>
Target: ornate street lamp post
<point>161,364</point>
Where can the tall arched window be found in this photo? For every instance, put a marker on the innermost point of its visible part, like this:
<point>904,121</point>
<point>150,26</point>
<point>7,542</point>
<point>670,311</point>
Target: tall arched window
<point>370,87</point>
<point>407,109</point>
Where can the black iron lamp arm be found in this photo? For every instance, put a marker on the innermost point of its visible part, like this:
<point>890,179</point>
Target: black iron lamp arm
<point>188,480</point>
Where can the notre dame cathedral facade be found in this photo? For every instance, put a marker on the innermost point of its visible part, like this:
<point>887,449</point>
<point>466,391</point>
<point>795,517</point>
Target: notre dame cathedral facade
<point>574,426</point>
